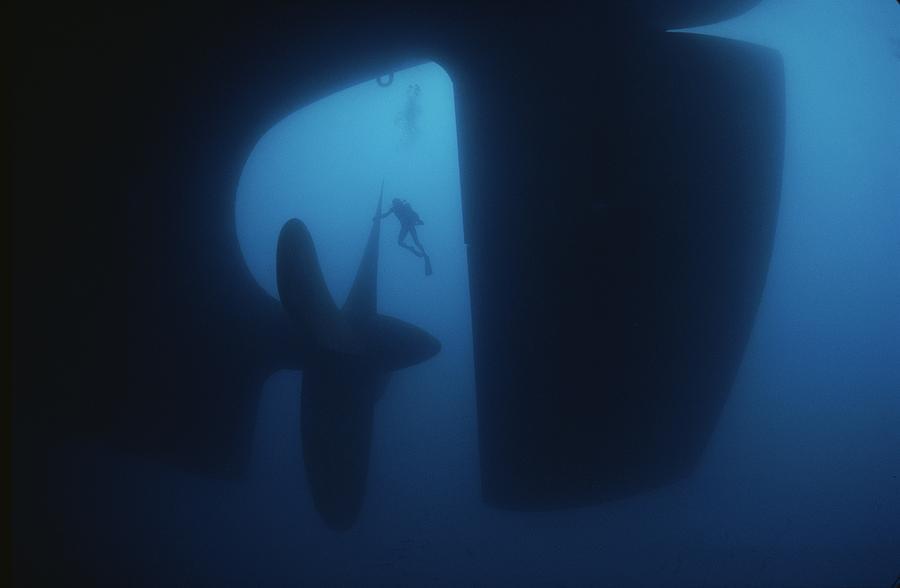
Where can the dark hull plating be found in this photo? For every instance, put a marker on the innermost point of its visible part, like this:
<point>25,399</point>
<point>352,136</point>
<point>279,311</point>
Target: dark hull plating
<point>616,261</point>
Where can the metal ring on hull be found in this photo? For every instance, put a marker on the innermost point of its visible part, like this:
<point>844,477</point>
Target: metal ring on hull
<point>385,84</point>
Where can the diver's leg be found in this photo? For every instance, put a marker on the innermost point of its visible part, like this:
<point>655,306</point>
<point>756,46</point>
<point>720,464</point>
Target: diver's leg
<point>400,241</point>
<point>415,236</point>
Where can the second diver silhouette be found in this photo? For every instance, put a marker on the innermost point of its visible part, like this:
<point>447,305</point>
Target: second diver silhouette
<point>409,220</point>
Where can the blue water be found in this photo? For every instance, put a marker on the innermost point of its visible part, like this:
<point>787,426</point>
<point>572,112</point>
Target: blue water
<point>800,484</point>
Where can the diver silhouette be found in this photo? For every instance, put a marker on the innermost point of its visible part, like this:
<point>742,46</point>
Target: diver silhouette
<point>409,220</point>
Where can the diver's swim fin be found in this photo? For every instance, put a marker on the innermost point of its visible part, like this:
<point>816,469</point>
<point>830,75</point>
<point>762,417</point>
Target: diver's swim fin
<point>427,266</point>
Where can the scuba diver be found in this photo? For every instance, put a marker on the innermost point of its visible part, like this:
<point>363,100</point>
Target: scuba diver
<point>409,219</point>
<point>408,118</point>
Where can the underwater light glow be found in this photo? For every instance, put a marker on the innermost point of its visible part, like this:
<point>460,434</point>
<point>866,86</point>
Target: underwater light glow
<point>326,162</point>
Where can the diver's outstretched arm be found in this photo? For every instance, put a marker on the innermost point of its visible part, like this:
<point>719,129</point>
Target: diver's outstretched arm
<point>388,213</point>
